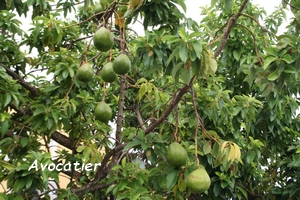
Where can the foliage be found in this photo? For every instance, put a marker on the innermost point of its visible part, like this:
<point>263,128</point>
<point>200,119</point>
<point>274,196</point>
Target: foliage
<point>226,89</point>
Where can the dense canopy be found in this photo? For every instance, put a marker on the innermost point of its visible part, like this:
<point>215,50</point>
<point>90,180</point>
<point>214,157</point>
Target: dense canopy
<point>225,88</point>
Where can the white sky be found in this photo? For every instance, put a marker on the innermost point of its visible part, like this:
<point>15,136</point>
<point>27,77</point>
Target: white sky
<point>193,6</point>
<point>193,11</point>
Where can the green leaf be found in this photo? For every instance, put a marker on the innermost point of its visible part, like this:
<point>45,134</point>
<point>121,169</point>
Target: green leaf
<point>186,75</point>
<point>7,99</point>
<point>80,149</point>
<point>183,52</point>
<point>4,127</point>
<point>86,154</point>
<point>171,39</point>
<point>133,143</point>
<point>171,179</point>
<point>142,91</point>
<point>228,5</point>
<point>295,162</point>
<point>196,67</point>
<point>206,147</point>
<point>289,69</point>
<point>173,54</point>
<point>274,75</point>
<point>242,190</point>
<point>268,61</point>
<point>183,34</point>
<point>123,162</point>
<point>237,55</point>
<point>182,4</point>
<point>7,165</point>
<point>195,34</point>
<point>181,184</point>
<point>287,58</point>
<point>217,189</point>
<point>197,48</point>
<point>213,65</point>
<point>175,71</point>
<point>213,3</point>
<point>272,51</point>
<point>24,141</point>
<point>19,184</point>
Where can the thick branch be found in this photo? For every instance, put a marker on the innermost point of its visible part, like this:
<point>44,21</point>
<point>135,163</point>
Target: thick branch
<point>56,136</point>
<point>63,140</point>
<point>169,109</point>
<point>33,90</point>
<point>231,22</point>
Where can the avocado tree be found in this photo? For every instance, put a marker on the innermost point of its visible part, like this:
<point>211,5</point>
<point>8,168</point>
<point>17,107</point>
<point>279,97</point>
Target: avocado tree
<point>223,90</point>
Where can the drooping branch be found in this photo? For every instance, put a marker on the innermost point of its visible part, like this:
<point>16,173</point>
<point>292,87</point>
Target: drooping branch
<point>231,22</point>
<point>254,41</point>
<point>33,90</point>
<point>263,29</point>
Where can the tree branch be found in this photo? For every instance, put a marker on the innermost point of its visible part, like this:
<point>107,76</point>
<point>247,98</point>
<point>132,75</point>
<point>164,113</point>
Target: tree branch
<point>139,117</point>
<point>292,6</point>
<point>33,90</point>
<point>63,140</point>
<point>254,41</point>
<point>231,22</point>
<point>120,109</point>
<point>171,106</point>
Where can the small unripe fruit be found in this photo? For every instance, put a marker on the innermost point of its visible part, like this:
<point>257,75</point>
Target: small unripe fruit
<point>176,155</point>
<point>107,73</point>
<point>198,181</point>
<point>85,73</point>
<point>121,64</point>
<point>103,39</point>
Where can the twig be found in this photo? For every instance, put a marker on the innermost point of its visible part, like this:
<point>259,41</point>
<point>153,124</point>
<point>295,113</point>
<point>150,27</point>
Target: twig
<point>46,143</point>
<point>94,57</point>
<point>231,22</point>
<point>88,19</point>
<point>77,40</point>
<point>291,5</point>
<point>200,122</point>
<point>214,41</point>
<point>139,117</point>
<point>176,123</point>
<point>254,41</point>
<point>260,26</point>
